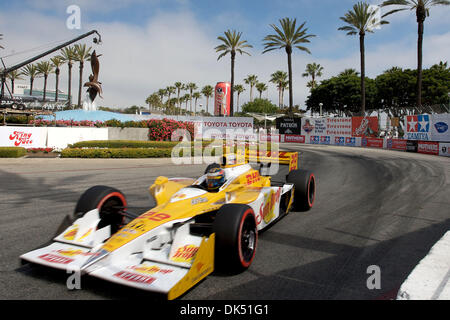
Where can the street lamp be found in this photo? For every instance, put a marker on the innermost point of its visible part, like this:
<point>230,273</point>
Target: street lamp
<point>320,105</point>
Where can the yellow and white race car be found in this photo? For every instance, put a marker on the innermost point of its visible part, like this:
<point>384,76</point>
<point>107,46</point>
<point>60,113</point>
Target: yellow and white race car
<point>191,231</point>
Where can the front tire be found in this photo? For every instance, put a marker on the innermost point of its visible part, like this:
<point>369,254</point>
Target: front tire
<point>304,189</point>
<point>236,237</point>
<point>106,200</point>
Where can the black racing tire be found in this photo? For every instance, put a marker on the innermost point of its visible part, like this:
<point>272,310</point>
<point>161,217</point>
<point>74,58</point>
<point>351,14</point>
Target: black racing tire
<point>236,237</point>
<point>304,189</point>
<point>106,200</point>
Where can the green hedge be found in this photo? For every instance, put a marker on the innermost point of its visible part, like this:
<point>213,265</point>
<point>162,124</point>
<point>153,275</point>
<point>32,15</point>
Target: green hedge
<point>12,152</point>
<point>116,153</point>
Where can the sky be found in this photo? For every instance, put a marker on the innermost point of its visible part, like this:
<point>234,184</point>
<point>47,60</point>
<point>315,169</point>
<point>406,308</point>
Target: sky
<point>151,44</point>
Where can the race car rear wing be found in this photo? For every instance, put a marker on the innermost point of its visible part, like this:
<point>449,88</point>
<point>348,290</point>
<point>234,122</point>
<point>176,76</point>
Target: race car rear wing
<point>280,157</point>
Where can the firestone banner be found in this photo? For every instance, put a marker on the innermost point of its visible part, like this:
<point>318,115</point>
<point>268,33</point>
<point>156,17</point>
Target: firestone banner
<point>341,127</point>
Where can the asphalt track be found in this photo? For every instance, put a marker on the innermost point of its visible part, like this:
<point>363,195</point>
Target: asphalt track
<point>373,207</point>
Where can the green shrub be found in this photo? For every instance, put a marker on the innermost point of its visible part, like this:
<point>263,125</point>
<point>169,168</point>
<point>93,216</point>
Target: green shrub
<point>117,153</point>
<point>12,152</point>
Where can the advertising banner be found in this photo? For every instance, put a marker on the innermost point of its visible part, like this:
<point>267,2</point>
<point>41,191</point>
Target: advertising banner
<point>325,140</point>
<point>418,127</point>
<point>396,144</point>
<point>339,127</point>
<point>364,126</point>
<point>372,142</point>
<point>269,137</point>
<point>26,137</point>
<point>313,127</point>
<point>289,125</point>
<point>444,149</point>
<point>411,145</point>
<point>428,147</point>
<point>238,128</point>
<point>440,128</point>
<point>291,138</point>
<point>222,99</point>
<point>314,139</point>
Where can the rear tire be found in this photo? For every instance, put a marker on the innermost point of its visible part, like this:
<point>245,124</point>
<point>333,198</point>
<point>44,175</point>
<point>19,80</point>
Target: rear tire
<point>105,199</point>
<point>304,189</point>
<point>236,237</point>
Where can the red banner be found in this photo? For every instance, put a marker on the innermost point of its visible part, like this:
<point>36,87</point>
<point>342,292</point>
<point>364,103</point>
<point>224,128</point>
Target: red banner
<point>397,144</point>
<point>364,126</point>
<point>428,147</point>
<point>372,142</point>
<point>294,138</point>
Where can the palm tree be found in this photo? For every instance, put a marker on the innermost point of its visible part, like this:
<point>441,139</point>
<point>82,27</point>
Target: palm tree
<point>251,80</point>
<point>261,87</point>
<point>191,86</point>
<point>232,44</point>
<point>170,91</point>
<point>82,54</point>
<point>360,20</point>
<point>153,100</point>
<point>31,71</point>
<point>44,69</point>
<point>288,38</point>
<point>186,98</point>
<point>196,96</point>
<point>279,78</point>
<point>57,62</point>
<point>207,92</point>
<point>314,70</point>
<point>349,72</point>
<point>68,56</point>
<point>422,8</point>
<point>162,93</point>
<point>239,89</point>
<point>14,75</point>
<point>283,85</point>
<point>179,86</point>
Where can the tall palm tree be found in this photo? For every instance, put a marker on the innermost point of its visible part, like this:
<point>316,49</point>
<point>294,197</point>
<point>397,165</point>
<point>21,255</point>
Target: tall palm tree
<point>361,20</point>
<point>313,70</point>
<point>191,86</point>
<point>57,62</point>
<point>170,91</point>
<point>288,38</point>
<point>153,100</point>
<point>261,87</point>
<point>251,80</point>
<point>179,86</point>
<point>232,44</point>
<point>283,85</point>
<point>68,56</point>
<point>82,54</point>
<point>31,71</point>
<point>44,69</point>
<point>13,76</point>
<point>208,92</point>
<point>162,93</point>
<point>239,89</point>
<point>422,8</point>
<point>196,96</point>
<point>279,78</point>
<point>186,98</point>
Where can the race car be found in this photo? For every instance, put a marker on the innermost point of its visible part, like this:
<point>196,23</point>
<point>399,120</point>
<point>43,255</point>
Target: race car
<point>197,225</point>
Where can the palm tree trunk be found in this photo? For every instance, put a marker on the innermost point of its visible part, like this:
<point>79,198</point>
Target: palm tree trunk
<point>69,91</point>
<point>57,84</point>
<point>419,63</point>
<point>45,87</point>
<point>31,86</point>
<point>291,98</point>
<point>233,57</point>
<point>12,86</point>
<point>80,84</point>
<point>237,109</point>
<point>279,97</point>
<point>207,103</point>
<point>363,74</point>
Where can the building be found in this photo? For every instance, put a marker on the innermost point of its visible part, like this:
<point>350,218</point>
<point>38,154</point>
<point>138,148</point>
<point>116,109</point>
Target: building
<point>23,90</point>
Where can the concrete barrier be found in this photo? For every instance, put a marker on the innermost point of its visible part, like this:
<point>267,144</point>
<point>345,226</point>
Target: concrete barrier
<point>139,134</point>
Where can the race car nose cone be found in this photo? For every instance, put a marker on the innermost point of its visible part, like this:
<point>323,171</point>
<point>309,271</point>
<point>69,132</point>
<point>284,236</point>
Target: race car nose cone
<point>93,260</point>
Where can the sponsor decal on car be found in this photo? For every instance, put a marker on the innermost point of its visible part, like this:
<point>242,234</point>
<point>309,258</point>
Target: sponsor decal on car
<point>252,178</point>
<point>134,277</point>
<point>185,253</point>
<point>55,259</point>
<point>150,269</point>
<point>198,200</point>
<point>267,209</point>
<point>70,235</point>
<point>74,252</point>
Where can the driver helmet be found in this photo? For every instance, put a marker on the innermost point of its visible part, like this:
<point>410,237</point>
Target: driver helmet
<point>215,178</point>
